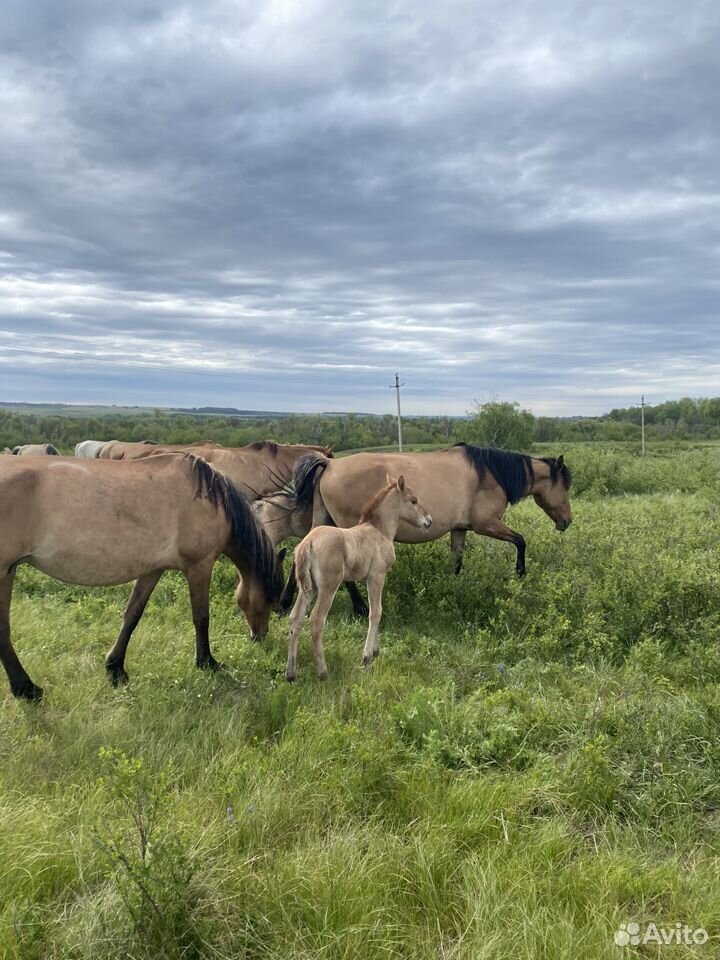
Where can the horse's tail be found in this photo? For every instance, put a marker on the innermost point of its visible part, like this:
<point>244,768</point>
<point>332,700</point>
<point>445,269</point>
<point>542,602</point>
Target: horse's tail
<point>303,569</point>
<point>306,473</point>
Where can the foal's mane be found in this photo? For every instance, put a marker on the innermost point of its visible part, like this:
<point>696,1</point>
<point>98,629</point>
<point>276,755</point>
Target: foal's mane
<point>245,529</point>
<point>371,506</point>
<point>513,471</point>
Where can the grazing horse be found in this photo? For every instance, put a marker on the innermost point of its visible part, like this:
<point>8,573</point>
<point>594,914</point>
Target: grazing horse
<point>100,523</point>
<point>328,555</point>
<point>36,450</point>
<point>258,469</point>
<point>464,487</point>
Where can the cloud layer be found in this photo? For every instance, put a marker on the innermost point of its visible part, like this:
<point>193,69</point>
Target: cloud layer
<point>278,205</point>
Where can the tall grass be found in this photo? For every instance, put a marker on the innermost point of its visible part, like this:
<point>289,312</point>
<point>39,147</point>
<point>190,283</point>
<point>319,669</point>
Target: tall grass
<point>527,765</point>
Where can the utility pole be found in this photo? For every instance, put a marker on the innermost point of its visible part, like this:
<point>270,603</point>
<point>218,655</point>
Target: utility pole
<point>396,386</point>
<point>642,426</point>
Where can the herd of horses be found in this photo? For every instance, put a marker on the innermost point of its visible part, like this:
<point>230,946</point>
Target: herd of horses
<point>119,512</point>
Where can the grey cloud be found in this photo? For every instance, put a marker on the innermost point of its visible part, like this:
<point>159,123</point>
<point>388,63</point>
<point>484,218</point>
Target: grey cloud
<point>238,201</point>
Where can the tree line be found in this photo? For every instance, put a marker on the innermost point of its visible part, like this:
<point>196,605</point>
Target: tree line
<point>495,423</point>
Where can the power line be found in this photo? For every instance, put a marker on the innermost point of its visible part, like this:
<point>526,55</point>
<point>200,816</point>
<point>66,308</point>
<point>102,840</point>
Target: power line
<point>396,386</point>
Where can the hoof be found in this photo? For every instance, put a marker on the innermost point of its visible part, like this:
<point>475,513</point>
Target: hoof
<point>367,661</point>
<point>322,674</point>
<point>118,676</point>
<point>290,677</point>
<point>27,691</point>
<point>211,664</point>
<point>376,654</point>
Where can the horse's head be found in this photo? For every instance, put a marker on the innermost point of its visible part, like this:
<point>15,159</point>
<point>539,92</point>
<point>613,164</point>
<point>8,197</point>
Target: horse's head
<point>252,598</point>
<point>550,491</point>
<point>411,511</point>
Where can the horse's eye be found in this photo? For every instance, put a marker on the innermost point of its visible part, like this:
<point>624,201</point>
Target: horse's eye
<point>413,501</point>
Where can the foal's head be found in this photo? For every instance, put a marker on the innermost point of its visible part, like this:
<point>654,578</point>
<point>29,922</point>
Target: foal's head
<point>550,491</point>
<point>410,510</point>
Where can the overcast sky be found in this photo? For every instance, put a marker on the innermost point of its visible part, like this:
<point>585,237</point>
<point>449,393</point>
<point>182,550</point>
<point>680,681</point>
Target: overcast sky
<point>277,205</point>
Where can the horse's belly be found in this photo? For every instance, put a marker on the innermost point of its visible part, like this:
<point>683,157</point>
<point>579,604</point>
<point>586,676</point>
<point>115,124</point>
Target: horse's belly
<point>91,568</point>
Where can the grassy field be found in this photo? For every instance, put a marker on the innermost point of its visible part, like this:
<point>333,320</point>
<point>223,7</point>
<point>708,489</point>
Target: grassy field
<point>528,765</point>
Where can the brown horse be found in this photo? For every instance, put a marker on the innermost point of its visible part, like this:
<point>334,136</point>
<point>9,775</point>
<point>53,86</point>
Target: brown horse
<point>327,556</point>
<point>464,487</point>
<point>257,469</point>
<point>100,523</point>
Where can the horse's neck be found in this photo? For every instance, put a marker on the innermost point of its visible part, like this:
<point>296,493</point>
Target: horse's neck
<point>386,515</point>
<point>540,473</point>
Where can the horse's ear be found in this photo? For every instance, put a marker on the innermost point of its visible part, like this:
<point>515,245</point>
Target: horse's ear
<point>391,481</point>
<point>281,554</point>
<point>560,462</point>
<point>401,482</point>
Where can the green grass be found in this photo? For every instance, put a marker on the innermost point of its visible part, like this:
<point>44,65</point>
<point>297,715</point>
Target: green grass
<point>527,765</point>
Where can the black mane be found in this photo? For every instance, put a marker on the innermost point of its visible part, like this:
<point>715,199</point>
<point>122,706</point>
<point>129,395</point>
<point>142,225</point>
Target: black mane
<point>513,471</point>
<point>246,530</point>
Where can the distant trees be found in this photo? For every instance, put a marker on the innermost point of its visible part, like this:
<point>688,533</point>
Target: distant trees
<point>500,424</point>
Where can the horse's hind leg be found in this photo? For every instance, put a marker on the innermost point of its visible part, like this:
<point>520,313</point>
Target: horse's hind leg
<point>286,598</point>
<point>375,590</point>
<point>20,683</point>
<point>198,578</point>
<point>326,595</point>
<point>115,660</point>
<point>360,608</point>
<point>296,621</point>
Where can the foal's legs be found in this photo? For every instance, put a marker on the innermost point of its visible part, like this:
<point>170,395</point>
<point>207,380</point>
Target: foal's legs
<point>115,660</point>
<point>358,604</point>
<point>375,590</point>
<point>198,578</point>
<point>326,595</point>
<point>296,621</point>
<point>498,531</point>
<point>20,683</point>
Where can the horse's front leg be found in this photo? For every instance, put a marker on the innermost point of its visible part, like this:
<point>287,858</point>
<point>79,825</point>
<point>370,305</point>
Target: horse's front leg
<point>115,660</point>
<point>198,578</point>
<point>375,590</point>
<point>20,683</point>
<point>499,531</point>
<point>457,546</point>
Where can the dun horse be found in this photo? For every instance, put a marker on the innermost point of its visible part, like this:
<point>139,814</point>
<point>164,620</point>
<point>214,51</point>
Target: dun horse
<point>328,555</point>
<point>258,469</point>
<point>101,523</point>
<point>464,487</point>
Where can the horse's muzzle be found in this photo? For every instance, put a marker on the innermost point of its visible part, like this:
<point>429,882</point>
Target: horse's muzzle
<point>562,525</point>
<point>427,521</point>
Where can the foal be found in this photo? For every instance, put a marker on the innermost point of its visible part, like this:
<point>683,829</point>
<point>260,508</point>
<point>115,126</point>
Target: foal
<point>329,555</point>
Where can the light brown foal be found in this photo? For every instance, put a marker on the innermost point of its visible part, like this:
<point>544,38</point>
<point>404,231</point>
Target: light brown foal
<point>329,555</point>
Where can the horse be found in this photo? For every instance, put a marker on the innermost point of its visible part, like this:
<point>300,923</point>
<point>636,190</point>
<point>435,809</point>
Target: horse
<point>282,518</point>
<point>121,450</point>
<point>35,450</point>
<point>329,555</point>
<point>258,469</point>
<point>464,487</point>
<point>90,449</point>
<point>100,523</point>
